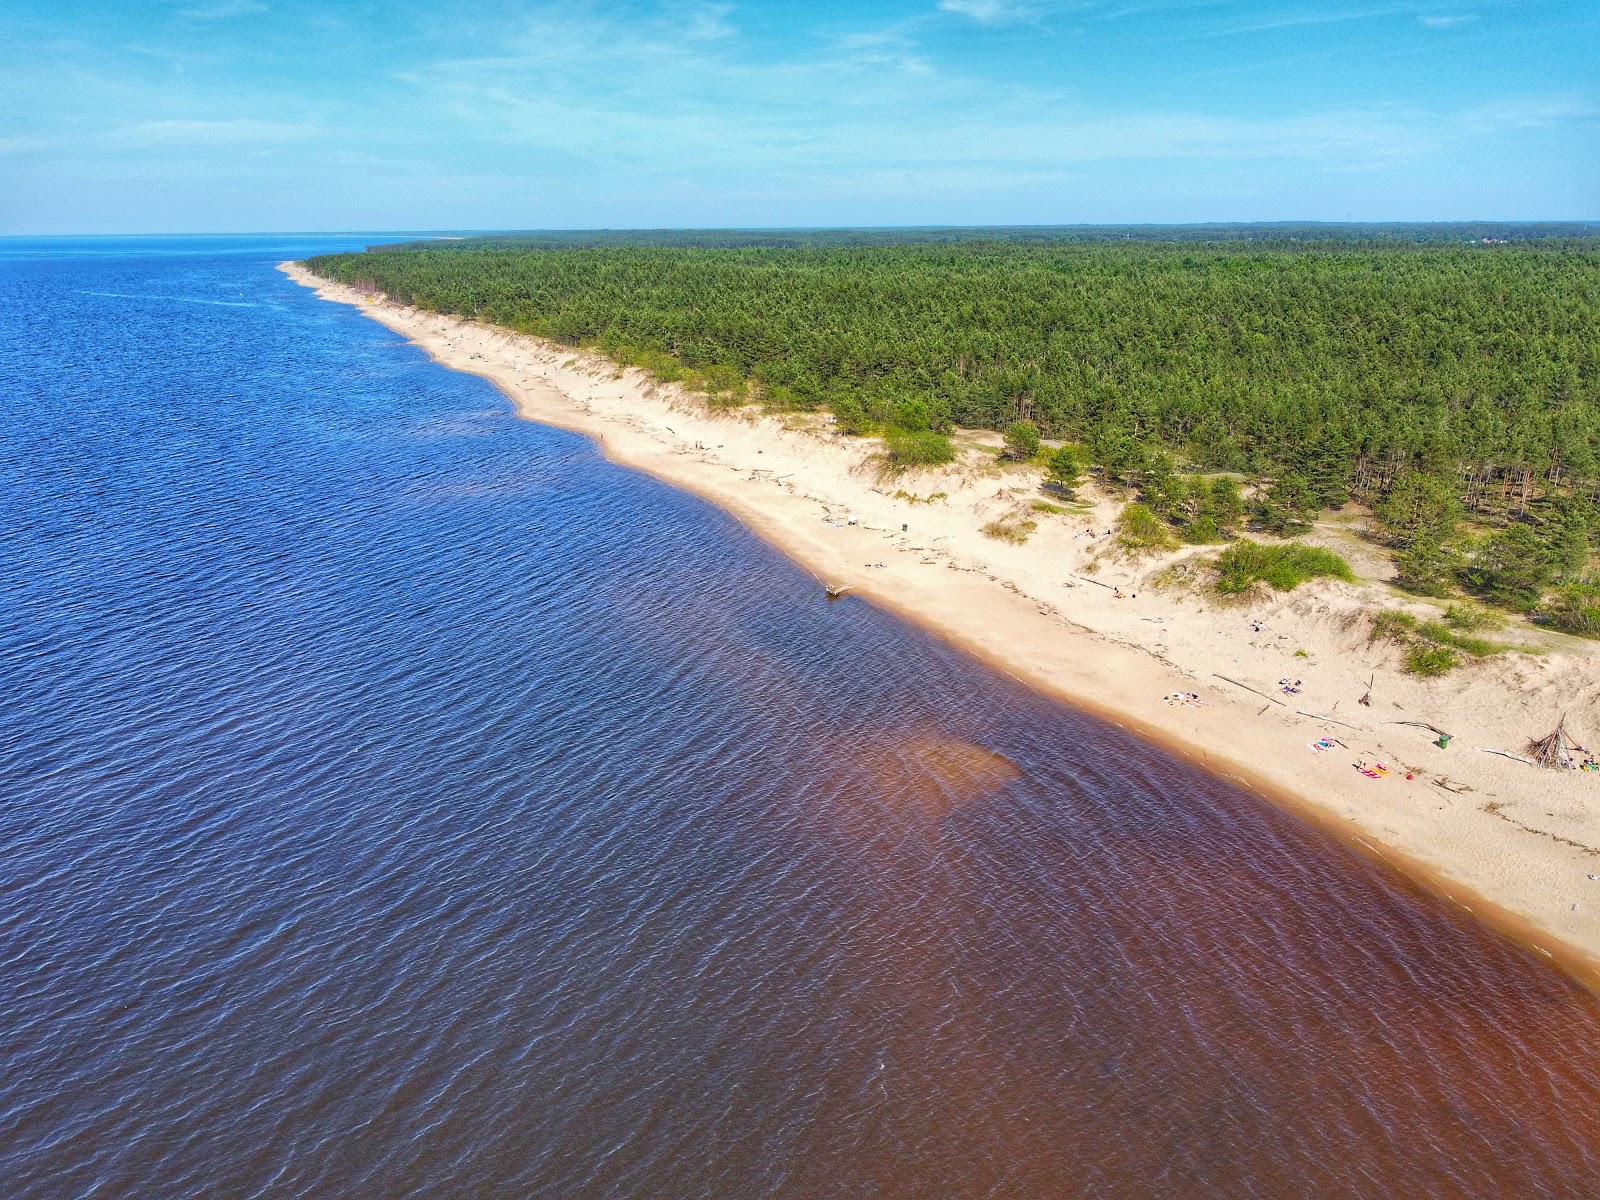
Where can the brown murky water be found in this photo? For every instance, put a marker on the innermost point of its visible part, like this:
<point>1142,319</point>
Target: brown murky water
<point>412,804</point>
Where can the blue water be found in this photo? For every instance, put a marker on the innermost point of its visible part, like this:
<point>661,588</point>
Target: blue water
<point>397,799</point>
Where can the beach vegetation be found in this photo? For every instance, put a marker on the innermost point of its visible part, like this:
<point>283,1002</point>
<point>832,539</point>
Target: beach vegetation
<point>1021,441</point>
<point>1512,568</point>
<point>1141,530</point>
<point>1574,608</point>
<point>1435,646</point>
<point>1013,527</point>
<point>1246,563</point>
<point>1453,390</point>
<point>1428,660</point>
<point>907,448</point>
<point>1064,469</point>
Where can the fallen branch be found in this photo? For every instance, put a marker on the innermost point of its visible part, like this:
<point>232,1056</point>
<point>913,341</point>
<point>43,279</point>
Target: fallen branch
<point>1422,725</point>
<point>1331,721</point>
<point>1508,754</point>
<point>1246,687</point>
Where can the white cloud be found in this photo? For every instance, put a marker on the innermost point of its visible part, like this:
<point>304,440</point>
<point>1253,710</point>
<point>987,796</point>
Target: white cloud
<point>1447,22</point>
<point>708,22</point>
<point>990,12</point>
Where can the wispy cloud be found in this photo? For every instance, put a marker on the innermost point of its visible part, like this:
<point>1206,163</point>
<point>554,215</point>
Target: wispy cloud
<point>990,12</point>
<point>223,10</point>
<point>664,111</point>
<point>1447,22</point>
<point>707,22</point>
<point>191,133</point>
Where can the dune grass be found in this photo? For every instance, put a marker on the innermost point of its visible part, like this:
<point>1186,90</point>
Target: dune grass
<point>1245,563</point>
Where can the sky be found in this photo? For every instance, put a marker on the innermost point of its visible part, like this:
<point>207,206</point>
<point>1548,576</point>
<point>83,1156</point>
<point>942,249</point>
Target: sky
<point>167,116</point>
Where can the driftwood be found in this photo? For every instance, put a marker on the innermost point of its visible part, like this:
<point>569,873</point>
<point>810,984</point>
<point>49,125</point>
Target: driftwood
<point>1332,721</point>
<point>1551,751</point>
<point>1508,754</point>
<point>1422,725</point>
<point>1248,688</point>
<point>835,590</point>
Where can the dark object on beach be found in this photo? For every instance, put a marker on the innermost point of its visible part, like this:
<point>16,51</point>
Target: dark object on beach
<point>1366,696</point>
<point>1551,751</point>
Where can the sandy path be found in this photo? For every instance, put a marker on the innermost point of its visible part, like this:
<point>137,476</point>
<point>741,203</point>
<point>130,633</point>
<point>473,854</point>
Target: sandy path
<point>1519,846</point>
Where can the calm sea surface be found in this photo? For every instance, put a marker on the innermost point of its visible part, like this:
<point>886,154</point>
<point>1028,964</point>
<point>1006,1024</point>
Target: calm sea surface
<point>398,800</point>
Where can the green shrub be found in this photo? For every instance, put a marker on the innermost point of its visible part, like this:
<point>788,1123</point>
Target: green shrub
<point>1434,647</point>
<point>1022,441</point>
<point>1470,618</point>
<point>1428,661</point>
<point>1392,625</point>
<point>1245,563</point>
<point>1512,568</point>
<point>1141,529</point>
<point>1440,634</point>
<point>1064,469</point>
<point>1203,531</point>
<point>922,448</point>
<point>1575,609</point>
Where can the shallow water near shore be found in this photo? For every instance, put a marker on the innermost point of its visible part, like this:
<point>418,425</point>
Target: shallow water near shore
<point>397,799</point>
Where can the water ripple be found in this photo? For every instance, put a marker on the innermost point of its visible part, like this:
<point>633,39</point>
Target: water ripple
<point>398,800</point>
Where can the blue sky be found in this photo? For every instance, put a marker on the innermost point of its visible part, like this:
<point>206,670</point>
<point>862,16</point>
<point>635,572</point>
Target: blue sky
<point>237,115</point>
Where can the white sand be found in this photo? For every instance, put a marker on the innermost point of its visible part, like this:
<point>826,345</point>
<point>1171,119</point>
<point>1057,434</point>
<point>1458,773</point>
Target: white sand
<point>1519,846</point>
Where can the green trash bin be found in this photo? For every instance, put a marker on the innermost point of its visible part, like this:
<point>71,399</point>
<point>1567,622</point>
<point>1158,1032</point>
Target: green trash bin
<point>1444,741</point>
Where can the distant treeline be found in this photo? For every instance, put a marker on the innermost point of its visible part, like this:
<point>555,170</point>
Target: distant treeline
<point>1289,233</point>
<point>1453,386</point>
<point>1343,363</point>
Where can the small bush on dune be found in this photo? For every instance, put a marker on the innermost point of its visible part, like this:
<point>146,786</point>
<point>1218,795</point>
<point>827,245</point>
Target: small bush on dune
<point>917,449</point>
<point>1064,469</point>
<point>1013,528</point>
<point>1430,661</point>
<point>1245,563</point>
<point>1022,441</point>
<point>1141,529</point>
<point>1472,618</point>
<point>1575,609</point>
<point>1434,647</point>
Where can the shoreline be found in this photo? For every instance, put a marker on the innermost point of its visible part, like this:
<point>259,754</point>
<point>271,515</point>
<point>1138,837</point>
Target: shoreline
<point>1514,846</point>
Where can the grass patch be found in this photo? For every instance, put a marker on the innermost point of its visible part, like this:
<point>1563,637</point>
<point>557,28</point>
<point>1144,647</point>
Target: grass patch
<point>913,498</point>
<point>1430,661</point>
<point>1014,529</point>
<point>1472,618</point>
<point>1245,563</point>
<point>1046,507</point>
<point>1139,529</point>
<point>1433,648</point>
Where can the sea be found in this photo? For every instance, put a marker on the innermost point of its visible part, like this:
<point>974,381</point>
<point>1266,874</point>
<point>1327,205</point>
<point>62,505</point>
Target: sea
<point>397,799</point>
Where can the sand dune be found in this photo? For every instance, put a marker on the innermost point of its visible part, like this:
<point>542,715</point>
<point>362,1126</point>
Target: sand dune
<point>1519,845</point>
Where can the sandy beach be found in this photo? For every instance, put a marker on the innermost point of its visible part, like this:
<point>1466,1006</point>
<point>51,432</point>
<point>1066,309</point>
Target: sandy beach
<point>1067,613</point>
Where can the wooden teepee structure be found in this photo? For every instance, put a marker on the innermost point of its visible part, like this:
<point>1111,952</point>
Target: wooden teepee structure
<point>1551,750</point>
